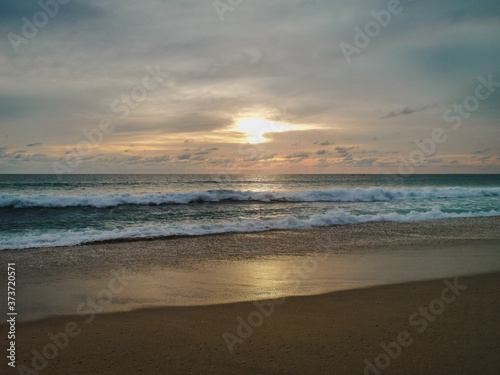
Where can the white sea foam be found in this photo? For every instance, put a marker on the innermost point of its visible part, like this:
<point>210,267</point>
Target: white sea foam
<point>374,194</point>
<point>69,238</point>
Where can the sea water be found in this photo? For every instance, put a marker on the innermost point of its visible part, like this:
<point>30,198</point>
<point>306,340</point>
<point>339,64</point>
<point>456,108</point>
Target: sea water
<point>41,210</point>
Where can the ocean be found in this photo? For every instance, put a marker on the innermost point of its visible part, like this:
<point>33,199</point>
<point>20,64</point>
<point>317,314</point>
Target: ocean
<point>43,211</point>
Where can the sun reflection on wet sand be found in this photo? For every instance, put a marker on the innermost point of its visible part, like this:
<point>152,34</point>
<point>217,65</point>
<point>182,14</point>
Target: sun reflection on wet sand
<point>218,281</point>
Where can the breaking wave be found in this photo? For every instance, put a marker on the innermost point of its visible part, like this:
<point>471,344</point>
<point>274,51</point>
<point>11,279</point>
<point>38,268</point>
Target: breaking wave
<point>69,238</point>
<point>374,194</point>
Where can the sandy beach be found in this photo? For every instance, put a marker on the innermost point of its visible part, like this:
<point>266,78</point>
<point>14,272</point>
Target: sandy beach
<point>447,325</point>
<point>326,334</point>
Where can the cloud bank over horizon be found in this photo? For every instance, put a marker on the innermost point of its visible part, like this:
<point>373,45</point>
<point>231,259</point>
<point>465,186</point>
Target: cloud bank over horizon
<point>165,86</point>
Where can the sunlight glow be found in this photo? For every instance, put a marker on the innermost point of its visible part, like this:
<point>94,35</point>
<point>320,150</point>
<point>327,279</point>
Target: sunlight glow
<point>258,127</point>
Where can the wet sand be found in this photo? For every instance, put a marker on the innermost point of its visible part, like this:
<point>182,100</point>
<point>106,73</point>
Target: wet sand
<point>327,334</point>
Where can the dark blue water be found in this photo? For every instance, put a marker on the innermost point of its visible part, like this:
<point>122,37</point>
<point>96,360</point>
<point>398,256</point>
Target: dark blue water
<point>40,210</point>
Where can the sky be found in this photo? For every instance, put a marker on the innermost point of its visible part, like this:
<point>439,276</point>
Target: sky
<point>249,86</point>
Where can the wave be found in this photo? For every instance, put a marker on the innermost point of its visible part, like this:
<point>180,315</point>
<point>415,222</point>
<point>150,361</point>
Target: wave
<point>374,194</point>
<point>70,238</point>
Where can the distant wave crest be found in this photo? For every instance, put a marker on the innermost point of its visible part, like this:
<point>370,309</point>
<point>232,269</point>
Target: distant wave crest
<point>374,194</point>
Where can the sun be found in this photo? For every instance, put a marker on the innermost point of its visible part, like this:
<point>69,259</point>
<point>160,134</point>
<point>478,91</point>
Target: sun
<point>257,127</point>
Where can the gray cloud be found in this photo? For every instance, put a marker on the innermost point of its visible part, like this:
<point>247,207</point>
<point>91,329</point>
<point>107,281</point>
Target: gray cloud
<point>344,151</point>
<point>298,155</point>
<point>184,157</point>
<point>13,11</point>
<point>260,157</point>
<point>366,162</point>
<point>18,106</point>
<point>158,159</point>
<point>406,111</point>
<point>324,143</point>
<point>478,152</point>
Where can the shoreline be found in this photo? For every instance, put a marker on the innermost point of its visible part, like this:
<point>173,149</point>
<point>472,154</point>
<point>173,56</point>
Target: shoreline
<point>328,333</point>
<point>125,240</point>
<point>418,223</point>
<point>228,268</point>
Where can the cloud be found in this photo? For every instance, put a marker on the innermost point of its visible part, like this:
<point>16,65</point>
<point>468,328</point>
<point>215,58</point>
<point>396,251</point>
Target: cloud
<point>19,106</point>
<point>324,143</point>
<point>92,53</point>
<point>344,151</point>
<point>298,155</point>
<point>367,162</point>
<point>184,157</point>
<point>205,151</point>
<point>261,157</point>
<point>158,159</point>
<point>19,156</point>
<point>322,164</point>
<point>199,158</point>
<point>12,11</point>
<point>478,152</point>
<point>132,159</point>
<point>406,111</point>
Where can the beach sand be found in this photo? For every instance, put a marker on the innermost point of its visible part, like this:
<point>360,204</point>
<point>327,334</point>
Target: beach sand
<point>326,334</point>
<point>343,332</point>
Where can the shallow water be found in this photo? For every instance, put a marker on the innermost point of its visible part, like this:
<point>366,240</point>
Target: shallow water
<point>219,281</point>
